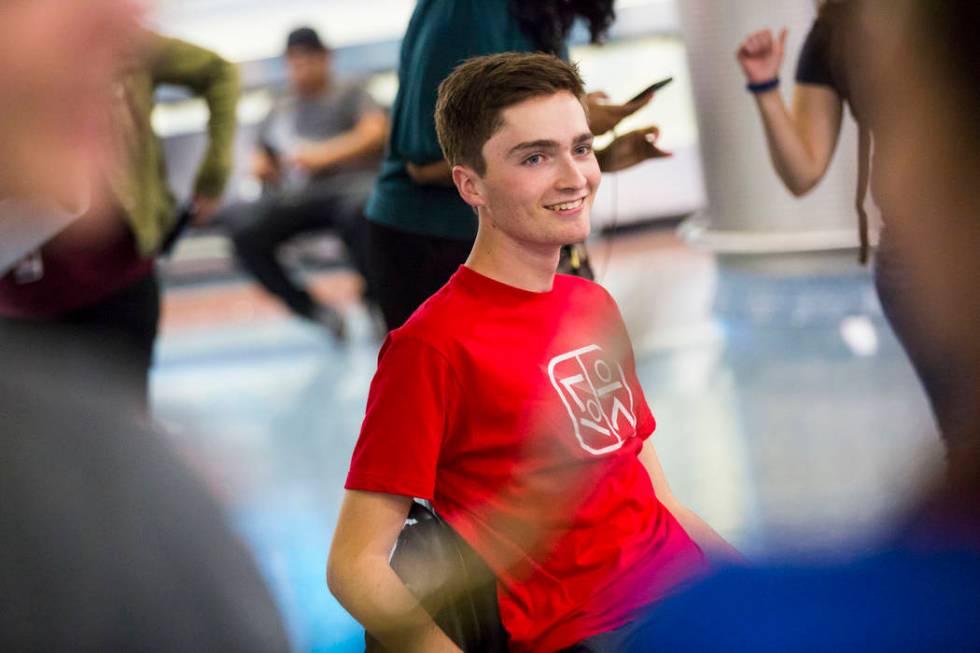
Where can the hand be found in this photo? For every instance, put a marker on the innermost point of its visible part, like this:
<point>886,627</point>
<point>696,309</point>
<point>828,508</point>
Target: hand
<point>631,148</point>
<point>308,158</point>
<point>437,173</point>
<point>761,56</point>
<point>264,167</point>
<point>603,116</point>
<point>204,208</point>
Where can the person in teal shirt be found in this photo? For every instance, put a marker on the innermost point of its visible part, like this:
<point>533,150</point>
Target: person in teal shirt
<point>420,229</point>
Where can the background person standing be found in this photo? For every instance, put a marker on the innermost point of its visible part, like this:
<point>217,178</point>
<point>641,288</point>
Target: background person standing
<point>98,274</point>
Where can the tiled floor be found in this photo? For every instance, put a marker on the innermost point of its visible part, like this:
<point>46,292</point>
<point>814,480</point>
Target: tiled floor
<point>788,416</point>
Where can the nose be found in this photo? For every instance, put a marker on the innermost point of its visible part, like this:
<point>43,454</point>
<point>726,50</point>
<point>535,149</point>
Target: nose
<point>571,176</point>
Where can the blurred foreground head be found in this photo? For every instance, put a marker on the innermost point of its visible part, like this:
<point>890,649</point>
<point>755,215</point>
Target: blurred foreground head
<point>58,61</point>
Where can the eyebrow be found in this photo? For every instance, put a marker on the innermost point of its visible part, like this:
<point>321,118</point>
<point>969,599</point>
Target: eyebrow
<point>546,144</point>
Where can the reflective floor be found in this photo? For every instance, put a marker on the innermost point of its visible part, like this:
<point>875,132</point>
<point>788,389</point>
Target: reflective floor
<point>788,416</point>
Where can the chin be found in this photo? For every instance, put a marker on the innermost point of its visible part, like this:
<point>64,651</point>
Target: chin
<point>579,231</point>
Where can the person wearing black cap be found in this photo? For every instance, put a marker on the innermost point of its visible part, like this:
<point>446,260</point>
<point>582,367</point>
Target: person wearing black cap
<point>317,156</point>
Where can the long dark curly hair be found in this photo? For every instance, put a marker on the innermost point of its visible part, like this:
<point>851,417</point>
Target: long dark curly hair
<point>548,22</point>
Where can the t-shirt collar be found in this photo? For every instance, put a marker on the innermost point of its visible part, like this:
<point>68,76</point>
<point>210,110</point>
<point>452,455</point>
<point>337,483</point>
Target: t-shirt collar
<point>484,285</point>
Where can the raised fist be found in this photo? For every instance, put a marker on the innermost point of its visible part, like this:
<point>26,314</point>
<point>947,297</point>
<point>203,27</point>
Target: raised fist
<point>761,55</point>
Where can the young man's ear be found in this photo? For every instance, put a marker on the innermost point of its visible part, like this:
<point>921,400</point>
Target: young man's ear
<point>469,185</point>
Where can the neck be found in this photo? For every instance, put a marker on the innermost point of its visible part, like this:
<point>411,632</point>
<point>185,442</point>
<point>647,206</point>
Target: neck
<point>514,263</point>
<point>317,89</point>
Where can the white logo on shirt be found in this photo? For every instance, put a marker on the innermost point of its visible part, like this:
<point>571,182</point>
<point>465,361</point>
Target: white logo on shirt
<point>597,396</point>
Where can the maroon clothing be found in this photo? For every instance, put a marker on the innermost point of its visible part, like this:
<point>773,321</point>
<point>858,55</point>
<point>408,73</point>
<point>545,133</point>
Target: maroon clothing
<point>73,276</point>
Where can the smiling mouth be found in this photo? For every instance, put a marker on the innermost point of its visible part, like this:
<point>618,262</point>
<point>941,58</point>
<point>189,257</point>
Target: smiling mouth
<point>566,206</point>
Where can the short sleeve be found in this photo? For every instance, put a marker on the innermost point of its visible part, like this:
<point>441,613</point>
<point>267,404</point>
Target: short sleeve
<point>409,405</point>
<point>362,103</point>
<point>814,65</point>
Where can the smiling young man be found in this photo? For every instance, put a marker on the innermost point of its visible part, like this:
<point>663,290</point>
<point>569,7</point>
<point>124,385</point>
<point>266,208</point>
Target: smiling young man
<point>510,399</point>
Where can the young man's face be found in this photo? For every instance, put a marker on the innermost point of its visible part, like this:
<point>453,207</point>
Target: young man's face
<point>541,174</point>
<point>307,70</point>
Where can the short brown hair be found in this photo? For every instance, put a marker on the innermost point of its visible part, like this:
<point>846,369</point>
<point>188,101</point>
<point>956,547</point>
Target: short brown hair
<point>473,97</point>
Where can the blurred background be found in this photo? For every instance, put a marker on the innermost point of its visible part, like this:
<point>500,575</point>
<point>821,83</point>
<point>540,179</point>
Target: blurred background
<point>788,416</point>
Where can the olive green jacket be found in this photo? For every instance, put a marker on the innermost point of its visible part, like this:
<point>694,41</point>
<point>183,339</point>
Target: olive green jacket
<point>141,188</point>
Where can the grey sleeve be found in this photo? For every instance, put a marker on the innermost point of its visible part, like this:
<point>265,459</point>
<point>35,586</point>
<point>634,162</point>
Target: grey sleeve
<point>263,137</point>
<point>359,102</point>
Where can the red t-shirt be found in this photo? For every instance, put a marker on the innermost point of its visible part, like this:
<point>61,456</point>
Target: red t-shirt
<point>519,415</point>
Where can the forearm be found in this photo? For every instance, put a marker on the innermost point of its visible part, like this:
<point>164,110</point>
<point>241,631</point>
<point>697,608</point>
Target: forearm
<point>214,79</point>
<point>342,149</point>
<point>366,138</point>
<point>437,173</point>
<point>788,151</point>
<point>374,595</point>
<point>718,551</point>
<point>221,96</point>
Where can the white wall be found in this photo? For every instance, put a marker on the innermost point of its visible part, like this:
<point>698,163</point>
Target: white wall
<point>749,209</point>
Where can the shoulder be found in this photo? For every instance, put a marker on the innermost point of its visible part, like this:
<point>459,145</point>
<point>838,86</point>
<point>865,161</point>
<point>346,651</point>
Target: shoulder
<point>440,321</point>
<point>831,12</point>
<point>819,35</point>
<point>459,13</point>
<point>583,297</point>
<point>814,65</point>
<point>835,22</point>
<point>176,57</point>
<point>349,89</point>
<point>581,288</point>
<point>283,105</point>
<point>451,31</point>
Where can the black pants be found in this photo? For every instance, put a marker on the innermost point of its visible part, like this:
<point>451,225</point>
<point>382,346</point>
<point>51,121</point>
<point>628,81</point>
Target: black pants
<point>410,268</point>
<point>257,230</point>
<point>106,345</point>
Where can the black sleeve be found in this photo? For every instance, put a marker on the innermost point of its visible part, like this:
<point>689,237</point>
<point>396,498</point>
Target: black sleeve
<point>814,66</point>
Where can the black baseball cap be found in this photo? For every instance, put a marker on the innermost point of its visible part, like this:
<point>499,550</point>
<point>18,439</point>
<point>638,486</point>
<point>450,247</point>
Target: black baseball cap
<point>305,38</point>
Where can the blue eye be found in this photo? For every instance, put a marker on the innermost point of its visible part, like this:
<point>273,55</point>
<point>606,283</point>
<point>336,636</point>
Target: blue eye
<point>583,150</point>
<point>532,160</point>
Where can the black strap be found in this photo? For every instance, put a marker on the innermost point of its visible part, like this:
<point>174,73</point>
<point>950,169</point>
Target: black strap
<point>451,581</point>
<point>185,214</point>
<point>574,260</point>
<point>864,168</point>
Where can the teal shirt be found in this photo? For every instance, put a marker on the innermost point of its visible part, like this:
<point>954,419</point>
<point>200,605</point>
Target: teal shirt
<point>440,35</point>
